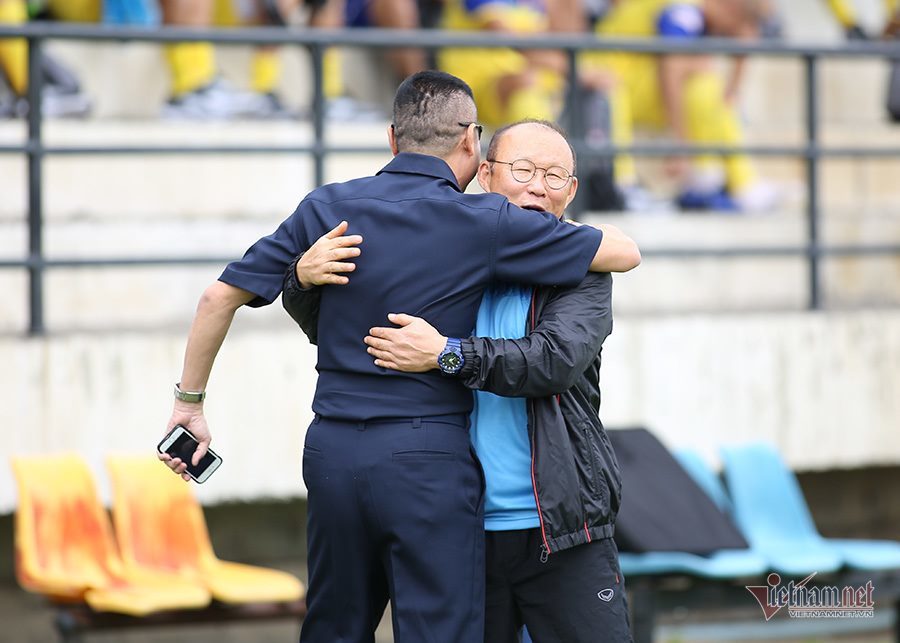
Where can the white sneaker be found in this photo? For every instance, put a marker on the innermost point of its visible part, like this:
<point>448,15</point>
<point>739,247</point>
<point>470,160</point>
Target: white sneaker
<point>269,107</point>
<point>706,180</point>
<point>55,103</point>
<point>215,101</point>
<point>637,198</point>
<point>62,103</point>
<point>761,197</point>
<point>345,110</point>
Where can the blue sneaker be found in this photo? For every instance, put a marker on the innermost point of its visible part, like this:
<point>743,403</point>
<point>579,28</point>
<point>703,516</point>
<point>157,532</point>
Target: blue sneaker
<point>719,201</point>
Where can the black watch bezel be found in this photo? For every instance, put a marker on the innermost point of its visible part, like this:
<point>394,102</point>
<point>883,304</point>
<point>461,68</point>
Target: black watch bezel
<point>451,359</point>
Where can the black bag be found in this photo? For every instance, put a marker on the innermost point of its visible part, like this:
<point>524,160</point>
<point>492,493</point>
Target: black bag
<point>597,187</point>
<point>893,94</point>
<point>602,193</point>
<point>663,509</point>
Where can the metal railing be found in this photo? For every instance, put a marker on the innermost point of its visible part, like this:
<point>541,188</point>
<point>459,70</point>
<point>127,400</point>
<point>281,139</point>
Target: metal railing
<point>316,40</point>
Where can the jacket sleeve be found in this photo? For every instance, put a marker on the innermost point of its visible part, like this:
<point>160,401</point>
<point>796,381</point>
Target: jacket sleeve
<point>567,338</point>
<point>302,304</point>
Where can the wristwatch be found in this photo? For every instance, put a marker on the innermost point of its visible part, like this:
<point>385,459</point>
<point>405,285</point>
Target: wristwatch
<point>188,396</point>
<point>451,358</point>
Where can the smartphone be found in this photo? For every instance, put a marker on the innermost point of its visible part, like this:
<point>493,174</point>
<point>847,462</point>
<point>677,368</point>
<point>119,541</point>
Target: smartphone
<point>179,443</point>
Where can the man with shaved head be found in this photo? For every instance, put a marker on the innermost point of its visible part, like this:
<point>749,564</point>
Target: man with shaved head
<point>552,481</point>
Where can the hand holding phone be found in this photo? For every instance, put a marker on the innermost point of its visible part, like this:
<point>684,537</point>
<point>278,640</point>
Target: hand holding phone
<point>180,443</point>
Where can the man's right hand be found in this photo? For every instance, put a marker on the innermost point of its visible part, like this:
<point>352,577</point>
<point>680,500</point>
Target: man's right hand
<point>321,264</point>
<point>190,416</point>
<point>414,347</point>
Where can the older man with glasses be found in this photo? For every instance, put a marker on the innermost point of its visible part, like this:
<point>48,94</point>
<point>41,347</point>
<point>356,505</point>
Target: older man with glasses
<point>552,481</point>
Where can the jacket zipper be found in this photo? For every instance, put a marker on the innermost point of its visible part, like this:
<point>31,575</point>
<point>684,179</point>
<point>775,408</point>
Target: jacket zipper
<point>545,547</point>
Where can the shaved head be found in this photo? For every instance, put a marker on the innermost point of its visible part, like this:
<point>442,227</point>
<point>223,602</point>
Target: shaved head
<point>429,108</point>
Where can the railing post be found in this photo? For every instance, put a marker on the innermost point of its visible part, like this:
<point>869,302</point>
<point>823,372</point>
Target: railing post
<point>812,179</point>
<point>35,155</point>
<point>318,114</point>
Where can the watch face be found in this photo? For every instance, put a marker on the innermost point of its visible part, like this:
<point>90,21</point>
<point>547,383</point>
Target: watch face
<point>450,362</point>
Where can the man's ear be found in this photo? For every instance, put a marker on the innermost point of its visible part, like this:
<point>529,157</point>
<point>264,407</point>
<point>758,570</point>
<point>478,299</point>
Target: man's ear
<point>392,140</point>
<point>572,192</point>
<point>471,144</point>
<point>484,176</point>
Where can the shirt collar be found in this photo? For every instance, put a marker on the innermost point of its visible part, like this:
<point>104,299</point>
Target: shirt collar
<point>411,163</point>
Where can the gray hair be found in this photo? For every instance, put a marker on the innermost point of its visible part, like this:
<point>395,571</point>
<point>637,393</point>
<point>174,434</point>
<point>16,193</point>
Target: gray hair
<point>500,133</point>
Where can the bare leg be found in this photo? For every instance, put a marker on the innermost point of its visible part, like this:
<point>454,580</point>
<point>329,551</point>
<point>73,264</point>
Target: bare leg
<point>188,13</point>
<point>330,15</point>
<point>399,14</point>
<point>14,51</point>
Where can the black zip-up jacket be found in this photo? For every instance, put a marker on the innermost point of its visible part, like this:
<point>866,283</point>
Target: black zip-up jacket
<point>556,366</point>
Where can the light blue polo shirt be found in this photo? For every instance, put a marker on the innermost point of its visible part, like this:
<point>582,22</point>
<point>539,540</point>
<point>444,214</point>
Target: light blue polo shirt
<point>499,430</point>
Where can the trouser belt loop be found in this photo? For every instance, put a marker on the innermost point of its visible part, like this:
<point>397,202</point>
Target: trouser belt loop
<point>316,418</point>
<point>417,423</point>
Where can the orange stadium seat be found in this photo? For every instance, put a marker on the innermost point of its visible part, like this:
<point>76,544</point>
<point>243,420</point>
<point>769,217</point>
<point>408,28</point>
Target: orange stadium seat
<point>64,546</point>
<point>160,527</point>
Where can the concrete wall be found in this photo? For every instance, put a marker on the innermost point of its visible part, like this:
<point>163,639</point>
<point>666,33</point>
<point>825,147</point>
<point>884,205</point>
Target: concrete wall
<point>822,387</point>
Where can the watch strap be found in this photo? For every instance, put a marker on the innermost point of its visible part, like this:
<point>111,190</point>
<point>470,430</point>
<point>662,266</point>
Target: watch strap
<point>188,396</point>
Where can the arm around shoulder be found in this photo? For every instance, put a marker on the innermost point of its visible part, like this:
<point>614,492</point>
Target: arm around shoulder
<point>617,251</point>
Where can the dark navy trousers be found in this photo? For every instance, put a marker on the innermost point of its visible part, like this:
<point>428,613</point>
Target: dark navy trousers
<point>396,512</point>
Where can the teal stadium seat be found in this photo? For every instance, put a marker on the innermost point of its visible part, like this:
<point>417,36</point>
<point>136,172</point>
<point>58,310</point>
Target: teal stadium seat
<point>656,486</point>
<point>720,565</point>
<point>771,511</point>
<point>723,564</point>
<point>706,478</point>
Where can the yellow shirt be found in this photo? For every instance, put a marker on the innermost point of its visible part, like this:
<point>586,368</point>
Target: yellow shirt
<point>637,18</point>
<point>475,15</point>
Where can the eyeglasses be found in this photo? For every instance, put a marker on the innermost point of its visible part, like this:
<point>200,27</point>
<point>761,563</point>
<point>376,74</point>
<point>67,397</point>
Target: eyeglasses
<point>524,170</point>
<point>478,128</point>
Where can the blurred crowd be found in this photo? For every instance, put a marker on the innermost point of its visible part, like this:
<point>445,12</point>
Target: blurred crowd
<point>687,98</point>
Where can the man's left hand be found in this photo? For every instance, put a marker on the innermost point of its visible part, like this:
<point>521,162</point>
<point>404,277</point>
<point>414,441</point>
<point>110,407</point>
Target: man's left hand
<point>412,348</point>
<point>328,257</point>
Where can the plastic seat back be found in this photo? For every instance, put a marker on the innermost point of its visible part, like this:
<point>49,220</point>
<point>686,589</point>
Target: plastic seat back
<point>768,502</point>
<point>63,540</point>
<point>161,528</point>
<point>159,524</point>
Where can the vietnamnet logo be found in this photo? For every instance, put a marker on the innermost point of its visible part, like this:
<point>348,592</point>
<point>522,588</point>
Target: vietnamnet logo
<point>820,601</point>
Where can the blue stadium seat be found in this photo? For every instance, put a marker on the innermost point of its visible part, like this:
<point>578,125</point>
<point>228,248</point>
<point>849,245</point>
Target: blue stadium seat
<point>771,511</point>
<point>869,555</point>
<point>720,565</point>
<point>705,477</point>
